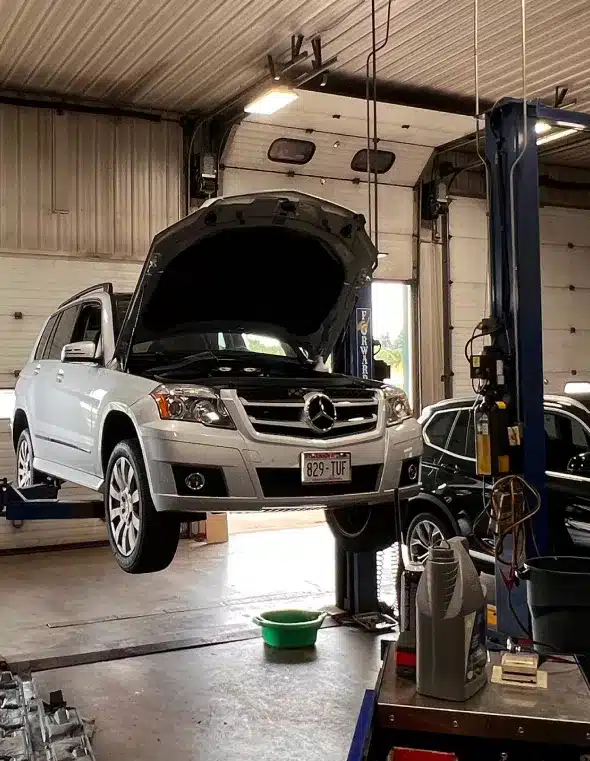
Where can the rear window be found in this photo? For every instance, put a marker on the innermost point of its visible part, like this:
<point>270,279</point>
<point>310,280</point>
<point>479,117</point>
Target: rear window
<point>288,151</point>
<point>381,161</point>
<point>437,429</point>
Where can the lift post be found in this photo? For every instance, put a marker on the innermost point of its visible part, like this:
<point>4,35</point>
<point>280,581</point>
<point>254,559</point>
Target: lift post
<point>356,572</point>
<point>516,300</point>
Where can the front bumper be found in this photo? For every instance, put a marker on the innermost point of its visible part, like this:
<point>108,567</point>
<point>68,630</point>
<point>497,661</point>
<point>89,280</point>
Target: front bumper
<point>246,467</point>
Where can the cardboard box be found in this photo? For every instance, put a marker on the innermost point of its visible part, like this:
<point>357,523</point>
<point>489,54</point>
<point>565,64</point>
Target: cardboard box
<point>214,530</point>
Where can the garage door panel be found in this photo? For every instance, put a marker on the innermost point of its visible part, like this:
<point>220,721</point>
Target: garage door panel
<point>469,261</point>
<point>468,219</point>
<point>395,204</point>
<point>567,352</point>
<point>562,266</point>
<point>468,304</point>
<point>563,226</point>
<point>564,309</point>
<point>35,286</point>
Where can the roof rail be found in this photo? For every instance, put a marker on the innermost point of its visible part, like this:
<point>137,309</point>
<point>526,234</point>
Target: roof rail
<point>106,287</point>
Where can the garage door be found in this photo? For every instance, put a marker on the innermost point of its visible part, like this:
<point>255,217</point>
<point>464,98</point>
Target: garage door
<point>565,256</point>
<point>30,289</point>
<point>329,174</point>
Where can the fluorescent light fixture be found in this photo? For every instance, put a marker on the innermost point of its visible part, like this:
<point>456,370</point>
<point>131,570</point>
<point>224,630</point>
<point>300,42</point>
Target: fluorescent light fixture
<point>541,128</point>
<point>572,125</point>
<point>381,256</point>
<point>577,387</point>
<point>271,101</point>
<point>552,136</point>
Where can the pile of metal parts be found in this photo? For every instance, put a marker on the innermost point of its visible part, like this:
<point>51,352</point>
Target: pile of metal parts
<point>32,730</point>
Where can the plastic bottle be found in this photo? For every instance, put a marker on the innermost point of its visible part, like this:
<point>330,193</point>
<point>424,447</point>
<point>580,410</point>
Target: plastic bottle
<point>450,625</point>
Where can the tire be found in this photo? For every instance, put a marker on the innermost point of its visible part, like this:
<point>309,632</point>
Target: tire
<point>26,475</point>
<point>363,529</point>
<point>142,540</point>
<point>426,530</point>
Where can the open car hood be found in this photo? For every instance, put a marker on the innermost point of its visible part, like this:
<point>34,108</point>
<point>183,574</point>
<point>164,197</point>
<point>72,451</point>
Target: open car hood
<point>279,258</point>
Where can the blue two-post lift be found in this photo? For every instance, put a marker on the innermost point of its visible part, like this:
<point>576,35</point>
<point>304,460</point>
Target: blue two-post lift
<point>387,716</point>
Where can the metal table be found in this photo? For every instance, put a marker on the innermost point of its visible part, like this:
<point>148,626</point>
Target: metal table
<point>502,722</point>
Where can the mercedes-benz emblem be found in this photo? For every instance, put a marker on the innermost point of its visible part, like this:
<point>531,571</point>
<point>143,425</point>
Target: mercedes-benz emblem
<point>319,412</point>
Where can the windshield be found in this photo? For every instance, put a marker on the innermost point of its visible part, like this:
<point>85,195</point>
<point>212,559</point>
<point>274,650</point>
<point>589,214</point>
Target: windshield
<point>184,344</point>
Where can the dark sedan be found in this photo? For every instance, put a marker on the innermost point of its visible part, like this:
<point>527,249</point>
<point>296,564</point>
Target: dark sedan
<point>453,496</point>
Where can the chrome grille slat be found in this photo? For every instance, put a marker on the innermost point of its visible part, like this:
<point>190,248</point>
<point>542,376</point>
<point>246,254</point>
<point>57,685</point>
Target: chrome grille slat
<point>357,412</point>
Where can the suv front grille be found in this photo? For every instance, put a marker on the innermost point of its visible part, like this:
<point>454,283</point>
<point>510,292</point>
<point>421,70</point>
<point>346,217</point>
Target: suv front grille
<point>281,412</point>
<point>286,482</point>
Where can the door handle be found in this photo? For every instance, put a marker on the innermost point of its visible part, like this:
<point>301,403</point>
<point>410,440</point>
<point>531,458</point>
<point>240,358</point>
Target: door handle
<point>59,376</point>
<point>37,370</point>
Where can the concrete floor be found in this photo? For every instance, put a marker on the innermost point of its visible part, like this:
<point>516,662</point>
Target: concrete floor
<point>223,694</point>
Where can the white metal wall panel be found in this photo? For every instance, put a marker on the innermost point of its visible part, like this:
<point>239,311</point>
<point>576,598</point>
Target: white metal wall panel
<point>396,206</point>
<point>85,184</point>
<point>565,272</point>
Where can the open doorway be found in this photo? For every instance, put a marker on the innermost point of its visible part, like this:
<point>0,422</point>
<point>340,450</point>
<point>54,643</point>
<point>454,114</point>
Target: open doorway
<point>392,321</point>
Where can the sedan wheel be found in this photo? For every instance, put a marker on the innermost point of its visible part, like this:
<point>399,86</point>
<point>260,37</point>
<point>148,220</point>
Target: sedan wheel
<point>423,535</point>
<point>124,513</point>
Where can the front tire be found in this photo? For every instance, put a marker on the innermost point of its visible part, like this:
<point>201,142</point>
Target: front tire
<point>142,540</point>
<point>363,529</point>
<point>26,475</point>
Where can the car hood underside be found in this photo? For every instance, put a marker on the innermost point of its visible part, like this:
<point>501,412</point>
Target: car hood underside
<point>282,259</point>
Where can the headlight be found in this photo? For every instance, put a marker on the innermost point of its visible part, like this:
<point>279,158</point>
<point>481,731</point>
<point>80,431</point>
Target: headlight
<point>194,404</point>
<point>397,406</point>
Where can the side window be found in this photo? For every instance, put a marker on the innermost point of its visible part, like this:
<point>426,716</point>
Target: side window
<point>438,428</point>
<point>89,323</point>
<point>63,332</point>
<point>41,346</point>
<point>458,440</point>
<point>564,438</point>
<point>580,437</point>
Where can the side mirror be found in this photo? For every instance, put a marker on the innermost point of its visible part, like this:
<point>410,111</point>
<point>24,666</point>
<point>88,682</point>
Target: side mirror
<point>579,465</point>
<point>81,351</point>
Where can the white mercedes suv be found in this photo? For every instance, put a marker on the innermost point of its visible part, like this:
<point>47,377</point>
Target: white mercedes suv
<point>207,389</point>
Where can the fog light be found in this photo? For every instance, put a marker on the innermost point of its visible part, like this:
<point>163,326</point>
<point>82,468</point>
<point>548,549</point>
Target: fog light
<point>195,481</point>
<point>412,472</point>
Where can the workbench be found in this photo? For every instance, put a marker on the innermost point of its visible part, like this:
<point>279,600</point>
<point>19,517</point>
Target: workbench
<point>500,723</point>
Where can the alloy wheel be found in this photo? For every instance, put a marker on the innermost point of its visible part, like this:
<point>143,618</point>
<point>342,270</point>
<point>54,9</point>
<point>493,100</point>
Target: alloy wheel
<point>425,535</point>
<point>123,504</point>
<point>24,467</point>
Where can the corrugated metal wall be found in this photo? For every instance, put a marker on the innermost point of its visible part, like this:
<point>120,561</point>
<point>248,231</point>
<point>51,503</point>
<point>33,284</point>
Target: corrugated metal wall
<point>81,197</point>
<point>84,184</point>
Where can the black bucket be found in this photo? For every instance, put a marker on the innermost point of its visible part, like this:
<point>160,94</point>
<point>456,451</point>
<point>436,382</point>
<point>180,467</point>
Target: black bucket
<point>558,591</point>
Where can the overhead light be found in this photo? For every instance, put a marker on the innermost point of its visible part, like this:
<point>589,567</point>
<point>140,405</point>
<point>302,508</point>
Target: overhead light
<point>551,137</point>
<point>577,387</point>
<point>381,256</point>
<point>271,101</point>
<point>541,128</point>
<point>572,125</point>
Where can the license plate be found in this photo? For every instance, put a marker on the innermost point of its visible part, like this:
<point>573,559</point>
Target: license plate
<point>325,467</point>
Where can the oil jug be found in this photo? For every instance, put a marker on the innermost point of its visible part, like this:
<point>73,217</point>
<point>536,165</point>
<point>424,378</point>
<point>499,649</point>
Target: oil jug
<point>450,625</point>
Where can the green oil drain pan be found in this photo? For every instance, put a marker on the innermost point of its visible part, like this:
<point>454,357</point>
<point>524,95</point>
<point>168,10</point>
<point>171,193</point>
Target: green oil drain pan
<point>290,628</point>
